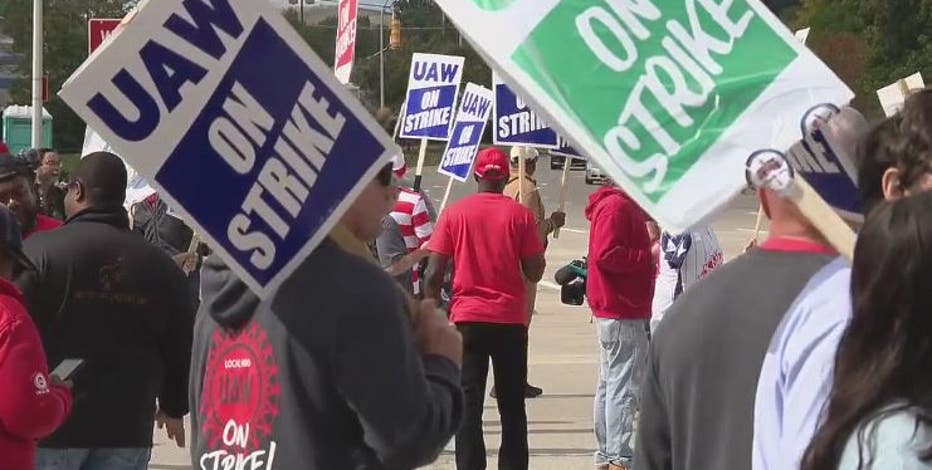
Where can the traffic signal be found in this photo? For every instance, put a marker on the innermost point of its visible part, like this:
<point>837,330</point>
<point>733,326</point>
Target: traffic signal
<point>394,40</point>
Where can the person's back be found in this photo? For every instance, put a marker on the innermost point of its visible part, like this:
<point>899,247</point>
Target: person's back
<point>494,246</point>
<point>488,232</point>
<point>103,294</point>
<point>697,399</point>
<point>318,376</point>
<point>106,296</point>
<point>620,278</point>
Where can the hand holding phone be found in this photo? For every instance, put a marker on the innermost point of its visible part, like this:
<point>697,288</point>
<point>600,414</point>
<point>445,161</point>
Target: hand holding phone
<point>66,370</point>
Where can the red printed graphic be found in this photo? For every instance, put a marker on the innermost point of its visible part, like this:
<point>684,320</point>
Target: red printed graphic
<point>715,261</point>
<point>239,401</point>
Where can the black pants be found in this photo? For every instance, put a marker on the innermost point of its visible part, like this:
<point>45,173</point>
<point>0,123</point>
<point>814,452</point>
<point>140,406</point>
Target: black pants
<point>507,346</point>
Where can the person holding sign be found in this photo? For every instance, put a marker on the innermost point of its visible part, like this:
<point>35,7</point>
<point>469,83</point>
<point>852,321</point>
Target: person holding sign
<point>526,192</point>
<point>494,245</point>
<point>895,160</point>
<point>706,356</point>
<point>877,417</point>
<point>326,373</point>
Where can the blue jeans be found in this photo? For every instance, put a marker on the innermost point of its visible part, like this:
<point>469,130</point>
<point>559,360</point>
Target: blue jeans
<point>623,356</point>
<point>128,458</point>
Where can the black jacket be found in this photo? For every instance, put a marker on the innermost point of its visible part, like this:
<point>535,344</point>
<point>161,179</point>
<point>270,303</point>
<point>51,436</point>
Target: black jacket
<point>104,295</point>
<point>322,375</point>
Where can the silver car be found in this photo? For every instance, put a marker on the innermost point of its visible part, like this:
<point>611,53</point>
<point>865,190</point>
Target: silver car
<point>594,174</point>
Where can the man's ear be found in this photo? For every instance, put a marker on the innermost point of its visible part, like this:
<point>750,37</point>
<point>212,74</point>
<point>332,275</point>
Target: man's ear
<point>891,184</point>
<point>80,192</point>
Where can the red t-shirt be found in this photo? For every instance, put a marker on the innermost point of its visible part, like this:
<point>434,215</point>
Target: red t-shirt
<point>43,224</point>
<point>487,235</point>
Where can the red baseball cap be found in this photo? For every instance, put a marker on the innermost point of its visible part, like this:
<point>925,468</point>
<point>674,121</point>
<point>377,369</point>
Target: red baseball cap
<point>492,164</point>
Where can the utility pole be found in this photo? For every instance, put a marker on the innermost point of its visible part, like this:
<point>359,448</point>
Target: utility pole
<point>301,12</point>
<point>37,48</point>
<point>382,54</point>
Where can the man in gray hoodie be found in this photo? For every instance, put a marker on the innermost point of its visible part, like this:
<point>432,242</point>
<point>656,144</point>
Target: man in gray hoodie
<point>334,371</point>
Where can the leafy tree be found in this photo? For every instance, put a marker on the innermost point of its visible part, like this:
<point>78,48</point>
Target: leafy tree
<point>65,31</point>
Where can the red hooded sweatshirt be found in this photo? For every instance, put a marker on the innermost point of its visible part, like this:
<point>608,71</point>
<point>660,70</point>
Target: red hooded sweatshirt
<point>30,406</point>
<point>620,283</point>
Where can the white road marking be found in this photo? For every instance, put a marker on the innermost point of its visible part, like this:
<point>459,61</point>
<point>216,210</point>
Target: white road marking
<point>549,285</point>
<point>574,230</point>
<point>751,230</point>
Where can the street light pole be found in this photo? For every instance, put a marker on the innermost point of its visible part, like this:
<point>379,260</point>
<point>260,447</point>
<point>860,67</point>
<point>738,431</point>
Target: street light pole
<point>37,48</point>
<point>382,55</point>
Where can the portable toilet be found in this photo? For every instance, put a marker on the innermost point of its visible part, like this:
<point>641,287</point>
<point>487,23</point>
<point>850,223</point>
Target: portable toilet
<point>17,128</point>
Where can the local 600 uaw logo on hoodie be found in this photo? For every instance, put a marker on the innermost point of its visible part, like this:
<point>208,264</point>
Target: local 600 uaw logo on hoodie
<point>239,401</point>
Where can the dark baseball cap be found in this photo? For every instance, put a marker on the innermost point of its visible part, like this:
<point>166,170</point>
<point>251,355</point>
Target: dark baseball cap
<point>10,166</point>
<point>11,240</point>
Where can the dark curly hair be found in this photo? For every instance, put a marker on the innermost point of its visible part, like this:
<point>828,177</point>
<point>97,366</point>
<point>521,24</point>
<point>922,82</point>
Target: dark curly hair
<point>902,141</point>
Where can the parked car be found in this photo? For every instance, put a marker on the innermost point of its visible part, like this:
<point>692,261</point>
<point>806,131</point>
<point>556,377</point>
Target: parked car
<point>557,161</point>
<point>594,174</point>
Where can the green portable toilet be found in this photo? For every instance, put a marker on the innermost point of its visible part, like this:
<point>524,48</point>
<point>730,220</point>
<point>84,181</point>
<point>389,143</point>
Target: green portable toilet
<point>17,128</point>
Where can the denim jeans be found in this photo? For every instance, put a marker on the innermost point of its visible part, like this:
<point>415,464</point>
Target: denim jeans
<point>124,458</point>
<point>623,356</point>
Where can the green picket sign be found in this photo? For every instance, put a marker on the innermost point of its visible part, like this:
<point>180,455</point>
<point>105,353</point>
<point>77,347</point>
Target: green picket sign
<point>669,97</point>
<point>666,58</point>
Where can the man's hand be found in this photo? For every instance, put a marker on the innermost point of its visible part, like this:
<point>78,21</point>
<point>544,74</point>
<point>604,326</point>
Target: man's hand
<point>186,261</point>
<point>558,218</point>
<point>174,427</point>
<point>61,383</point>
<point>435,335</point>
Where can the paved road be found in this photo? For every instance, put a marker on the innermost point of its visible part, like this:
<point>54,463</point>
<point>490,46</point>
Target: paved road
<point>563,351</point>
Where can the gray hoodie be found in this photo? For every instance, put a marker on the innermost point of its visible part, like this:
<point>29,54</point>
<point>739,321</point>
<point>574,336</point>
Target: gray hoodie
<point>321,375</point>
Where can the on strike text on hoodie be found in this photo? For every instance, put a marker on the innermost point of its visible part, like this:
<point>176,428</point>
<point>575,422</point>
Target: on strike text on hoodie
<point>321,375</point>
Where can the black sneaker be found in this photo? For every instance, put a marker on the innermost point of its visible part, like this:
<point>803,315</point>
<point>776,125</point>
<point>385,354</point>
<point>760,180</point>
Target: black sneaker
<point>531,391</point>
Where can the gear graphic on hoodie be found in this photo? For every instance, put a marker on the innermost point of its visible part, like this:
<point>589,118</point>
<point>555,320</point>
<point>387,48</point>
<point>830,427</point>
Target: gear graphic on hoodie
<point>240,395</point>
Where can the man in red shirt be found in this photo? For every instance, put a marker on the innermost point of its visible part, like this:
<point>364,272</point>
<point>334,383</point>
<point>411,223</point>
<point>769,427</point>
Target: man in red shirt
<point>620,288</point>
<point>32,405</point>
<point>18,193</point>
<point>494,245</point>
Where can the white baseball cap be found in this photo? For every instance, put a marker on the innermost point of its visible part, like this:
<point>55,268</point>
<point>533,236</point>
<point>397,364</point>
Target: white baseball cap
<point>528,153</point>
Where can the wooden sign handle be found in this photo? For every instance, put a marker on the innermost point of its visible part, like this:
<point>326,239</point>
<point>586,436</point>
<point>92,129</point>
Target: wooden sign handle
<point>562,202</point>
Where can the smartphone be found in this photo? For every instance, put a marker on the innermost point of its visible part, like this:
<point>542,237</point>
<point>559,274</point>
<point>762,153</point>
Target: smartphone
<point>67,369</point>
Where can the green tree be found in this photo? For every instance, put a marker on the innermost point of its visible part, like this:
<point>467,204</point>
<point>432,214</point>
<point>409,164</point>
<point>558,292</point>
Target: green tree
<point>424,29</point>
<point>870,43</point>
<point>65,31</point>
<point>900,35</point>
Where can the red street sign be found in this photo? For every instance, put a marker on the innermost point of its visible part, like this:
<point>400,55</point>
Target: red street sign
<point>45,88</point>
<point>99,29</point>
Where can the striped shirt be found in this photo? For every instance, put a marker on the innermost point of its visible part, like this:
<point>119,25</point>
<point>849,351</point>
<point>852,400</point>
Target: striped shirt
<point>685,260</point>
<point>413,219</point>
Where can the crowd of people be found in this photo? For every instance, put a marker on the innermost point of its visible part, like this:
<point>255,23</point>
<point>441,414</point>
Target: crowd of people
<point>375,353</point>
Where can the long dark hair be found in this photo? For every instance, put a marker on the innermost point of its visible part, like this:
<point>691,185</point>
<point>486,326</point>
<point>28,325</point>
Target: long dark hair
<point>885,356</point>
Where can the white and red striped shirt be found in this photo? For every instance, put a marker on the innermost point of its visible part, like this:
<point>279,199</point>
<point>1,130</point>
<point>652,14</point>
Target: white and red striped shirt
<point>413,219</point>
